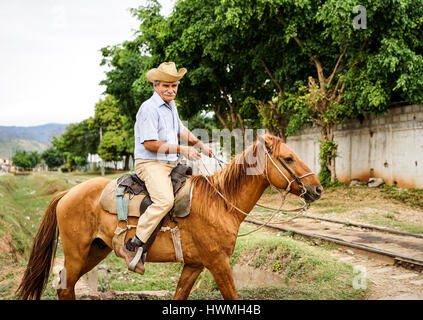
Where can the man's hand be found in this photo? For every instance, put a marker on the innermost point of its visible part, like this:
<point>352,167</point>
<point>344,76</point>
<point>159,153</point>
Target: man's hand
<point>206,150</point>
<point>190,152</point>
<point>187,136</point>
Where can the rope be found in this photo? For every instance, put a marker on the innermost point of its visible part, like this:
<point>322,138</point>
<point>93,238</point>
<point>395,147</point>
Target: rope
<point>283,196</point>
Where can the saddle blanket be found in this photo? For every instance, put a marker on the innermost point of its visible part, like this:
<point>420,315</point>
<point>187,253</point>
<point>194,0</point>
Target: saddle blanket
<point>181,207</point>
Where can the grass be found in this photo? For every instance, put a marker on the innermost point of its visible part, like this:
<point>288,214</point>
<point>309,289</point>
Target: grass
<point>23,200</point>
<point>114,275</point>
<point>308,272</point>
<point>413,197</point>
<point>389,220</point>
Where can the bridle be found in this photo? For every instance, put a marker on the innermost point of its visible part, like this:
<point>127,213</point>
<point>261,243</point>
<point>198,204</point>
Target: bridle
<point>287,189</point>
<point>284,165</point>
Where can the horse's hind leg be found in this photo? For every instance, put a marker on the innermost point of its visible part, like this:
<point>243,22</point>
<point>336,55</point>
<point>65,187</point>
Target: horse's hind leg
<point>222,274</point>
<point>76,265</point>
<point>70,274</point>
<point>187,279</point>
<point>98,251</point>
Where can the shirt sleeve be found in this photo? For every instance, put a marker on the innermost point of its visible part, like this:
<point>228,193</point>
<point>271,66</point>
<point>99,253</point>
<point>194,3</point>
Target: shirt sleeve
<point>148,124</point>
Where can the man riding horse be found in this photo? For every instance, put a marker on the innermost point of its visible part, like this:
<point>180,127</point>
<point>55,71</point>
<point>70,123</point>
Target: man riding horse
<point>157,152</point>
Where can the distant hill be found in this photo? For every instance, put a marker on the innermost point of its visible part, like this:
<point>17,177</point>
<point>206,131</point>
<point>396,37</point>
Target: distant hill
<point>36,138</point>
<point>9,147</point>
<point>42,133</point>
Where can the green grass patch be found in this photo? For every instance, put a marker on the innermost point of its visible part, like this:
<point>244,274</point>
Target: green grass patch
<point>389,220</point>
<point>114,275</point>
<point>413,197</point>
<point>328,203</point>
<point>334,210</point>
<point>23,201</point>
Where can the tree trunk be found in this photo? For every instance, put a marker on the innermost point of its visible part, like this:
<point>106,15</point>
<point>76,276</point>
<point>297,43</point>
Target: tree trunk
<point>282,134</point>
<point>327,132</point>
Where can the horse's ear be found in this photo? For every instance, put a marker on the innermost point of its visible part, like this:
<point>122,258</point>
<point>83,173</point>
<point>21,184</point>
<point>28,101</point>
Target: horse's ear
<point>266,141</point>
<point>269,141</point>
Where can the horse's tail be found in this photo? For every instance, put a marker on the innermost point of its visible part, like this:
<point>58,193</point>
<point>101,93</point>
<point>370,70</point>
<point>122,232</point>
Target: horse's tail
<point>42,254</point>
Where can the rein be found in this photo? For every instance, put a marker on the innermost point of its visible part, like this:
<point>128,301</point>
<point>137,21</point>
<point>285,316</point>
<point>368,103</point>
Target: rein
<point>283,196</point>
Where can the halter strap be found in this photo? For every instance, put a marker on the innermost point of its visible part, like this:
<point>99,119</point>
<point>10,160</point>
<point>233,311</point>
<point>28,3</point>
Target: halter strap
<point>295,178</point>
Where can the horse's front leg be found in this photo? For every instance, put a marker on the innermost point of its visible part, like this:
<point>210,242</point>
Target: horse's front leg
<point>187,279</point>
<point>222,274</point>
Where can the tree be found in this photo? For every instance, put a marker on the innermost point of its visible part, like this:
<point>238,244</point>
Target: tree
<point>193,38</point>
<point>77,142</point>
<point>125,79</point>
<point>112,146</point>
<point>290,62</point>
<point>26,160</point>
<point>347,72</point>
<point>126,89</point>
<point>365,71</point>
<point>115,128</point>
<point>53,157</point>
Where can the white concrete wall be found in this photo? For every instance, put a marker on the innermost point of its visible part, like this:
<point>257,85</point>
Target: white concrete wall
<point>388,146</point>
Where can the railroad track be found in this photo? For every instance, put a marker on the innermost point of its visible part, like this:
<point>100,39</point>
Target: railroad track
<point>408,261</point>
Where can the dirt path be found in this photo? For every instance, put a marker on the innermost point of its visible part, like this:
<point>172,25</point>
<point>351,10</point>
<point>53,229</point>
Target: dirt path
<point>387,281</point>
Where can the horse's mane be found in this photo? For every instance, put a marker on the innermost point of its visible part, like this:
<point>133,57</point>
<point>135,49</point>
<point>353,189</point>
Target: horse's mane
<point>230,179</point>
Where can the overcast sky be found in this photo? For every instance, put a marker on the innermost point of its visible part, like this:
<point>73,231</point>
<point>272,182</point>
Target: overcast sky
<point>50,59</point>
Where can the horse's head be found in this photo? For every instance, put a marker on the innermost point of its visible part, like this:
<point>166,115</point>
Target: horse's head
<point>285,170</point>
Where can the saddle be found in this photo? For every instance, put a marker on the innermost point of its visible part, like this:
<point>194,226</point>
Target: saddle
<point>128,196</point>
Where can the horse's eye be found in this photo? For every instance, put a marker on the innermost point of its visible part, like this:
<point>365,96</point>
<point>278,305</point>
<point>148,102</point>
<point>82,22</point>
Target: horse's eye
<point>289,160</point>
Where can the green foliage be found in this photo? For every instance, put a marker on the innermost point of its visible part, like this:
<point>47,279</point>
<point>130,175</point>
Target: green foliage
<point>53,157</point>
<point>202,121</point>
<point>327,153</point>
<point>77,142</point>
<point>116,128</point>
<point>125,79</point>
<point>26,160</point>
<point>111,147</point>
<point>280,63</point>
<point>413,197</point>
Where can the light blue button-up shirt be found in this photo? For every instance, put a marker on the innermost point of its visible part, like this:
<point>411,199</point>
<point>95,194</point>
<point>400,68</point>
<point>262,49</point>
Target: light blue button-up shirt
<point>156,121</point>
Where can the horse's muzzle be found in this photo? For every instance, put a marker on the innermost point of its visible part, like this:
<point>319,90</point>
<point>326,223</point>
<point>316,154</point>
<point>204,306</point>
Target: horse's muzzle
<point>313,193</point>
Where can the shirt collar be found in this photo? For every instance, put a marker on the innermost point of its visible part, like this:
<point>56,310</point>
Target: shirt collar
<point>159,101</point>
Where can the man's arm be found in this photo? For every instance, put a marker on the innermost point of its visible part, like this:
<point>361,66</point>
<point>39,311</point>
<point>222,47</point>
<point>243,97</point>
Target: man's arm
<point>158,146</point>
<point>187,136</point>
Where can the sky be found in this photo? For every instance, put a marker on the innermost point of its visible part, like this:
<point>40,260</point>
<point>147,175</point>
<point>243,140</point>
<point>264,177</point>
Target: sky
<point>50,56</point>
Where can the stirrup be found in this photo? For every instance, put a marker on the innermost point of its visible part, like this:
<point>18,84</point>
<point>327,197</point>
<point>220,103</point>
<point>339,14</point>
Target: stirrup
<point>136,259</point>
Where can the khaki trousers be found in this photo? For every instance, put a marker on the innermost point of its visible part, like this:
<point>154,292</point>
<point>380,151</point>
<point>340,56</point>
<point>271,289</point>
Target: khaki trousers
<point>156,176</point>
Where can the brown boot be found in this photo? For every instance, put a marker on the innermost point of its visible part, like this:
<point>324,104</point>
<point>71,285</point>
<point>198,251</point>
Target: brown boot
<point>133,257</point>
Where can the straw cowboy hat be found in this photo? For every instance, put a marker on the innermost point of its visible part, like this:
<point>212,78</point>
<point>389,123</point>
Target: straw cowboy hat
<point>165,72</point>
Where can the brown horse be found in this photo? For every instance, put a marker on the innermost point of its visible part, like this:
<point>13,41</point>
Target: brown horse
<point>208,234</point>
